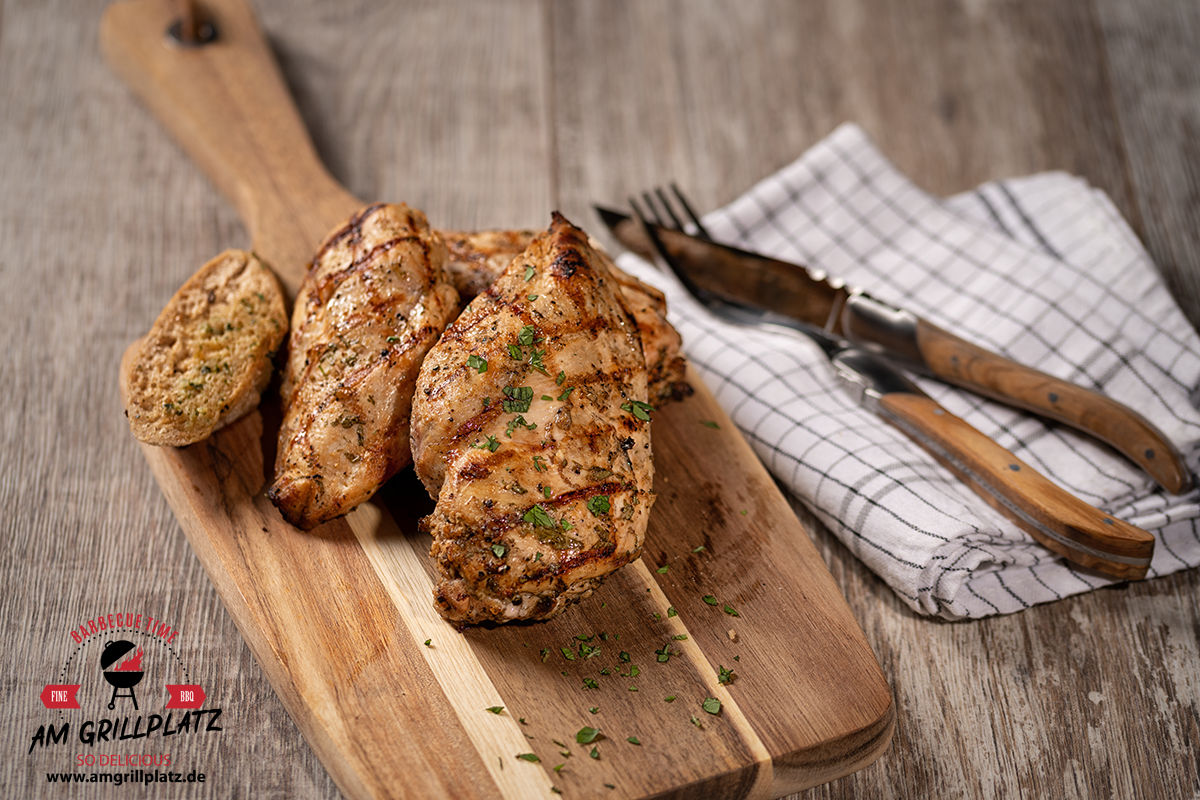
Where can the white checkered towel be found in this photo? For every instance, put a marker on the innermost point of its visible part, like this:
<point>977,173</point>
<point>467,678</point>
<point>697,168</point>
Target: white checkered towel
<point>1042,270</point>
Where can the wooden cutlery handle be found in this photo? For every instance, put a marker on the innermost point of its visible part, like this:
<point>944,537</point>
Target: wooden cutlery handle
<point>227,103</point>
<point>959,362</point>
<point>1056,518</point>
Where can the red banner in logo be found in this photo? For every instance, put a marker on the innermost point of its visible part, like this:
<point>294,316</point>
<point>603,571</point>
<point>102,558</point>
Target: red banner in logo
<point>60,695</point>
<point>185,695</point>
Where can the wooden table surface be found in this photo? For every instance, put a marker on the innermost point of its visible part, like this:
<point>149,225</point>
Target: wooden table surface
<point>492,114</point>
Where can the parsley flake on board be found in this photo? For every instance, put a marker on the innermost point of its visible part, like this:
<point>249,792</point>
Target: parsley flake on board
<point>587,735</point>
<point>708,423</point>
<point>699,549</point>
<point>729,610</point>
<point>671,612</point>
<point>590,683</point>
<point>529,757</point>
<point>496,709</point>
<point>595,753</point>
<point>633,740</point>
<point>708,598</point>
<point>724,675</point>
<point>663,569</point>
<point>712,705</point>
<point>477,363</point>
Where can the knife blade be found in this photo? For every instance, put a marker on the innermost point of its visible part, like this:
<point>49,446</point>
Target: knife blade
<point>1057,519</point>
<point>908,340</point>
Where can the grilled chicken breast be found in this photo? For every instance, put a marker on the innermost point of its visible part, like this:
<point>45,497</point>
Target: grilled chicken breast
<point>530,429</point>
<point>373,303</point>
<point>477,258</point>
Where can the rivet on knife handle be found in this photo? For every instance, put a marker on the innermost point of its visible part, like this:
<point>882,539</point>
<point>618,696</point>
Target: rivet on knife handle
<point>1057,519</point>
<point>955,360</point>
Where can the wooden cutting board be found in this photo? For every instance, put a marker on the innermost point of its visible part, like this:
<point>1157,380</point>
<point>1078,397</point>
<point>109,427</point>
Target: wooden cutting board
<point>396,702</point>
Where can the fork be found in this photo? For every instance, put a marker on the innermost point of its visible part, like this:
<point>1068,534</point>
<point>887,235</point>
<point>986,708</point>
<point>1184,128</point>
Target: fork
<point>1051,515</point>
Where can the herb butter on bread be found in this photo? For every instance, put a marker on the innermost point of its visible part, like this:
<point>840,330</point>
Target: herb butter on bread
<point>208,357</point>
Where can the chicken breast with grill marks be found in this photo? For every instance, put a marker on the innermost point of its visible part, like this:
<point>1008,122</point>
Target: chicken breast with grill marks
<point>374,302</point>
<point>477,258</point>
<point>530,427</point>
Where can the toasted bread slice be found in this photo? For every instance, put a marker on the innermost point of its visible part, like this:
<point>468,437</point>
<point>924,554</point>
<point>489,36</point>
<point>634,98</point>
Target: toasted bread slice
<point>208,357</point>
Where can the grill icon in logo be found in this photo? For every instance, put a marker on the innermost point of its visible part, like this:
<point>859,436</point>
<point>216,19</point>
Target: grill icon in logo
<point>126,674</point>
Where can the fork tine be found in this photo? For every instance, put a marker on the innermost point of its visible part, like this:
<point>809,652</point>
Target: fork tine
<point>666,203</point>
<point>687,207</point>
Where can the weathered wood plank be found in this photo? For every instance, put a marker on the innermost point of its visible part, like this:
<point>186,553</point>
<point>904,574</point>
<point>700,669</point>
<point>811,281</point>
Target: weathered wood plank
<point>1087,697</point>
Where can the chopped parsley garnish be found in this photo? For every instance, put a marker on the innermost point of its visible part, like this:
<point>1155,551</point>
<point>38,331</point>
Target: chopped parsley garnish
<point>624,656</point>
<point>532,297</point>
<point>529,273</point>
<point>537,556</point>
<point>663,569</point>
<point>589,683</point>
<point>680,637</point>
<point>518,422</point>
<point>496,709</point>
<point>594,710</point>
<point>588,650</point>
<point>664,653</point>
<point>528,336</point>
<point>562,376</point>
<point>708,598</point>
<point>393,339</point>
<point>696,721</point>
<point>638,409</point>
<point>566,393</point>
<point>587,735</point>
<point>499,550</point>
<point>568,653</point>
<point>545,653</point>
<point>492,444</point>
<point>540,467</point>
<point>515,352</point>
<point>633,740</point>
<point>699,549</point>
<point>429,642</point>
<point>599,504</point>
<point>535,361</point>
<point>595,753</point>
<point>712,705</point>
<point>477,363</point>
<point>671,612</point>
<point>729,610</point>
<point>528,757</point>
<point>724,675</point>
<point>669,698</point>
<point>539,516</point>
<point>708,423</point>
<point>519,398</point>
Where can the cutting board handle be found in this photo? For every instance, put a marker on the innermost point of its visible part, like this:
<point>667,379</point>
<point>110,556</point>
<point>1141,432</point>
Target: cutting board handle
<point>228,105</point>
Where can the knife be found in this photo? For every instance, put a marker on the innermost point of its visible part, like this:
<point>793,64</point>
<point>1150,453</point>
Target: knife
<point>907,340</point>
<point>1057,519</point>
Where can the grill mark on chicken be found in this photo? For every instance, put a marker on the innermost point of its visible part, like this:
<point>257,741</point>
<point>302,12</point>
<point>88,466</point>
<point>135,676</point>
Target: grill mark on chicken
<point>374,301</point>
<point>477,258</point>
<point>539,499</point>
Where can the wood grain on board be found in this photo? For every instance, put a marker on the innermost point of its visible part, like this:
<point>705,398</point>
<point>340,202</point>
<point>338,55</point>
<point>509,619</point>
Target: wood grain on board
<point>340,617</point>
<point>492,114</point>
